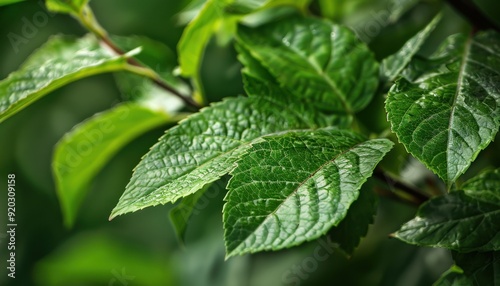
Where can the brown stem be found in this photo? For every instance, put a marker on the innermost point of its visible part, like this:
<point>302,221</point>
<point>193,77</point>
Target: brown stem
<point>416,196</point>
<point>157,80</point>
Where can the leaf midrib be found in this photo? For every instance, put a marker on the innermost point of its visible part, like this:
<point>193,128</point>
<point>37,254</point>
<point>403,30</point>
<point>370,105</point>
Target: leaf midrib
<point>458,93</point>
<point>273,213</point>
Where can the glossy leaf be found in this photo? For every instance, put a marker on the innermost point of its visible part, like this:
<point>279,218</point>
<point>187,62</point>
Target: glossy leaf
<point>392,66</point>
<point>294,187</point>
<point>317,60</point>
<point>60,61</point>
<point>66,6</point>
<point>464,221</point>
<point>446,109</point>
<point>206,145</point>
<point>355,225</point>
<point>81,153</point>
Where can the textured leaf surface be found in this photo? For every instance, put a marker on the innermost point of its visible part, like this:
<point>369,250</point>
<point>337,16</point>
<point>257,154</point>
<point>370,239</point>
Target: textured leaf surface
<point>294,187</point>
<point>355,225</point>
<point>60,61</point>
<point>392,66</point>
<point>317,60</point>
<point>205,146</point>
<point>462,220</point>
<point>81,153</point>
<point>446,110</point>
<point>66,6</point>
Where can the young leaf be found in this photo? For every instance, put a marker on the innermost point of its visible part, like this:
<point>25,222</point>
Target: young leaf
<point>82,152</point>
<point>355,225</point>
<point>463,220</point>
<point>449,111</point>
<point>66,6</point>
<point>317,60</point>
<point>196,36</point>
<point>294,187</point>
<point>480,268</point>
<point>392,66</point>
<point>206,145</point>
<point>60,61</point>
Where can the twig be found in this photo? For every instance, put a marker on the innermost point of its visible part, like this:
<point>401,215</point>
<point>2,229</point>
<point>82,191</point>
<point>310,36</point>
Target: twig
<point>416,196</point>
<point>88,20</point>
<point>475,16</point>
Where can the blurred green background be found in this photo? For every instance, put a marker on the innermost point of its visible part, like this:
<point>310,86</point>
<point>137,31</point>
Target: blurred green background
<point>141,248</point>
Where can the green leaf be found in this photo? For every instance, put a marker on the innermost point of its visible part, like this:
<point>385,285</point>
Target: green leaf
<point>464,221</point>
<point>317,60</point>
<point>355,225</point>
<point>196,36</point>
<point>392,66</point>
<point>480,268</point>
<point>446,110</point>
<point>453,277</point>
<point>294,187</point>
<point>8,2</point>
<point>66,6</point>
<point>81,153</point>
<point>206,145</point>
<point>60,61</point>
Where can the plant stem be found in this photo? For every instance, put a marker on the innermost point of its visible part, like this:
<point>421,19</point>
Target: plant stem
<point>88,20</point>
<point>414,195</point>
<point>475,16</point>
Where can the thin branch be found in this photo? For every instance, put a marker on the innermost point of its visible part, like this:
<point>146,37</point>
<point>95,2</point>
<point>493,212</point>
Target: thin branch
<point>475,16</point>
<point>88,20</point>
<point>417,196</point>
<point>156,79</point>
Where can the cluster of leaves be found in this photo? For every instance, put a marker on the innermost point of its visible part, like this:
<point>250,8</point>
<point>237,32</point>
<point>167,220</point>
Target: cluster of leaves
<point>293,146</point>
